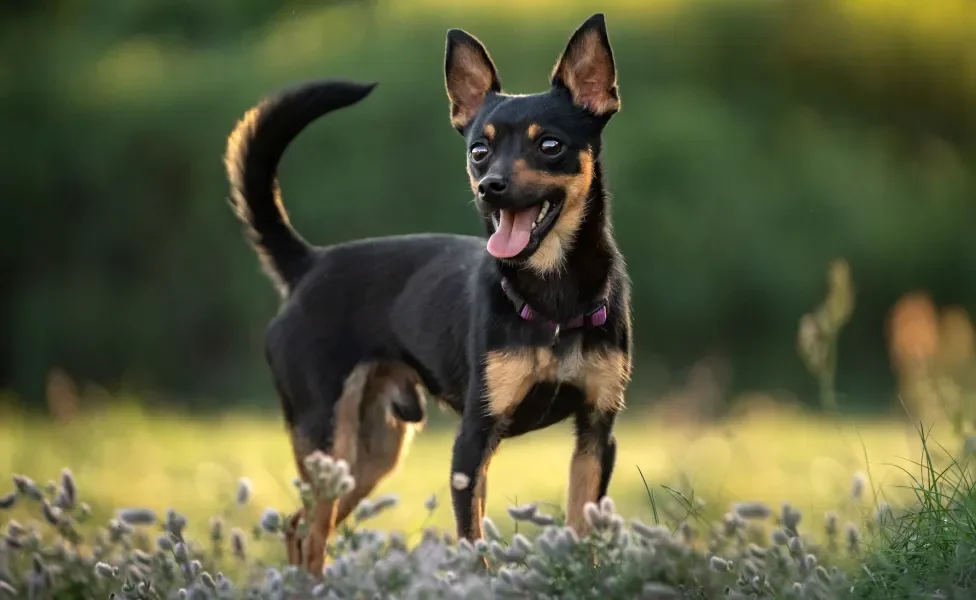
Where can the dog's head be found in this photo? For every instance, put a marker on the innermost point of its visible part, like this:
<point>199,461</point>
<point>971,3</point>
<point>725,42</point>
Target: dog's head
<point>532,158</point>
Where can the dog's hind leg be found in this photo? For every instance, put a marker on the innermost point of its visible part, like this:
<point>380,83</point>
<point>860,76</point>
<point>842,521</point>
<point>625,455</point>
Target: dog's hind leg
<point>331,427</point>
<point>383,433</point>
<point>369,433</point>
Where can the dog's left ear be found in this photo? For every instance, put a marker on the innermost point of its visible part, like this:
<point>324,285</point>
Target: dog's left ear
<point>586,69</point>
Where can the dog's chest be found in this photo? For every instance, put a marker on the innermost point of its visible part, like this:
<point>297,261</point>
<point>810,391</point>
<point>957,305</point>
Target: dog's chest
<point>512,374</point>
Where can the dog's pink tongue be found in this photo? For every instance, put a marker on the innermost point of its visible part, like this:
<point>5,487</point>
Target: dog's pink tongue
<point>512,234</point>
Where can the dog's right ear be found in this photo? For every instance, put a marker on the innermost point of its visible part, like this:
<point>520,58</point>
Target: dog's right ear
<point>469,75</point>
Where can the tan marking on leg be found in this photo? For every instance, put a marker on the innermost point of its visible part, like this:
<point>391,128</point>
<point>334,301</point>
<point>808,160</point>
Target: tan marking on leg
<point>478,504</point>
<point>293,542</point>
<point>369,437</point>
<point>584,486</point>
<point>320,530</point>
<point>605,379</point>
<point>552,249</point>
<point>534,130</point>
<point>301,447</point>
<point>509,375</point>
<point>346,428</point>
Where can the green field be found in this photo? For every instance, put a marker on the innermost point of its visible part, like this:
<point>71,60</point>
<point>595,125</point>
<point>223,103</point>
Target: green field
<point>128,457</point>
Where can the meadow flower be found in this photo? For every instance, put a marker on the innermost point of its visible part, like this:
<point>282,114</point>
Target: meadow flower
<point>175,523</point>
<point>137,516</point>
<point>537,564</point>
<point>216,529</point>
<point>593,516</point>
<point>238,544</point>
<point>15,529</point>
<point>752,510</point>
<point>344,486</point>
<point>490,530</point>
<point>780,537</point>
<point>883,513</point>
<point>27,488</point>
<point>719,564</point>
<point>524,512</point>
<point>857,486</point>
<point>796,546</point>
<point>830,524</point>
<point>208,580</point>
<point>809,562</point>
<point>243,491</point>
<point>522,543</point>
<point>181,553</point>
<point>385,502</point>
<point>542,520</point>
<point>853,537</point>
<point>105,570</point>
<point>68,492</point>
<point>822,575</point>
<point>790,518</point>
<point>270,520</point>
<point>650,532</point>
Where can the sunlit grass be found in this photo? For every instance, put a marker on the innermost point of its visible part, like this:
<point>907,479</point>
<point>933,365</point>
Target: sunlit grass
<point>130,457</point>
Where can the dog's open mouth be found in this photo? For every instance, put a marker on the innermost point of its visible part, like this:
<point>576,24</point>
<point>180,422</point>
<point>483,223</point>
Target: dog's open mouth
<point>517,229</point>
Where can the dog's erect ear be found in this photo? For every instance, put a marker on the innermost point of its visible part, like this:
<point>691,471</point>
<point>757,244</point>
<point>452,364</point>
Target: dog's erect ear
<point>469,74</point>
<point>586,69</point>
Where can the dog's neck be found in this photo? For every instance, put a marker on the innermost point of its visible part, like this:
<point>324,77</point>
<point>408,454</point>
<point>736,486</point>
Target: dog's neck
<point>586,272</point>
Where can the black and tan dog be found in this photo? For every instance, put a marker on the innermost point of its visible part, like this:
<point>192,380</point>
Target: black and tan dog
<point>527,333</point>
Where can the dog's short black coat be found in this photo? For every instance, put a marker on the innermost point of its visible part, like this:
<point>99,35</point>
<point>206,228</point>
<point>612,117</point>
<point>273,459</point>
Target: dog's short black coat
<point>364,325</point>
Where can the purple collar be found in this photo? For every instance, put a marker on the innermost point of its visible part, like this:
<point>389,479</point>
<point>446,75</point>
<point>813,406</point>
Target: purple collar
<point>593,318</point>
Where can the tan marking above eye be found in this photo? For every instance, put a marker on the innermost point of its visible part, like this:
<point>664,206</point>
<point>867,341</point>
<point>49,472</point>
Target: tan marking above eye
<point>489,131</point>
<point>534,130</point>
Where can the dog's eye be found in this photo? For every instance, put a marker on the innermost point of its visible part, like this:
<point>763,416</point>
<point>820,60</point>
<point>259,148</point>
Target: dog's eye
<point>550,146</point>
<point>479,152</point>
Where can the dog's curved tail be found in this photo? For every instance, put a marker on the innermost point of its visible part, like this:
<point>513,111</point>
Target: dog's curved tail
<point>254,150</point>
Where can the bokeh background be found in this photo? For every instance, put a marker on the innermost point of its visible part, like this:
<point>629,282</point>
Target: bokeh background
<point>760,142</point>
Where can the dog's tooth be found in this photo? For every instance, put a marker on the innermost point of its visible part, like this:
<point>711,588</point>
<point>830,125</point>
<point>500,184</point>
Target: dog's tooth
<point>542,213</point>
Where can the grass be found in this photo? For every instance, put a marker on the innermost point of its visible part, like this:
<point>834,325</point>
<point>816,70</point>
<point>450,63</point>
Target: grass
<point>683,476</point>
<point>129,457</point>
<point>931,544</point>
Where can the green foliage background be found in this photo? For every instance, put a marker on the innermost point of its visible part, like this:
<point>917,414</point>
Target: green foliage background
<point>758,140</point>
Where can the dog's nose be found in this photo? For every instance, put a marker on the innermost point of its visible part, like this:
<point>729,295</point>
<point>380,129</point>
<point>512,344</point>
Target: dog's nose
<point>492,188</point>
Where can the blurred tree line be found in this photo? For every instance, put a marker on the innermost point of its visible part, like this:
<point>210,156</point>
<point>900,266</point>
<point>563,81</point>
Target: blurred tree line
<point>758,141</point>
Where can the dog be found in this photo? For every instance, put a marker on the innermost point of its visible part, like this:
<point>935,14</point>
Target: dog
<point>514,334</point>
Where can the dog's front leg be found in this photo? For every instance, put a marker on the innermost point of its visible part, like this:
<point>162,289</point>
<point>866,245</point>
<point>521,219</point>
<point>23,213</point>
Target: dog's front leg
<point>473,448</point>
<point>592,464</point>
